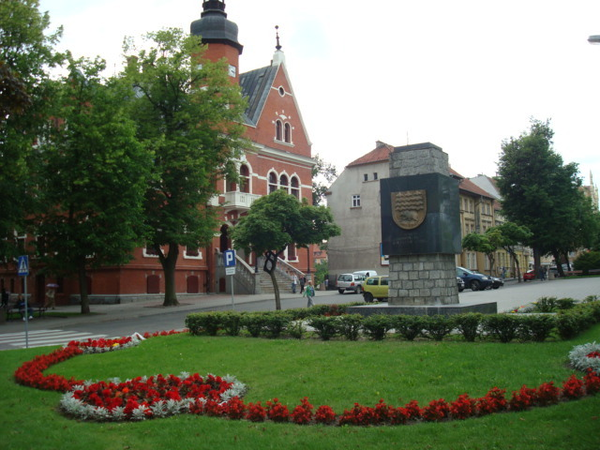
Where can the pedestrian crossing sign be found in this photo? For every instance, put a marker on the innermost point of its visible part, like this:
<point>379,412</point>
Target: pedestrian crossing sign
<point>23,266</point>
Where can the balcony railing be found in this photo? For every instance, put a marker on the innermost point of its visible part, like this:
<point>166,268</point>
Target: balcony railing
<point>239,200</point>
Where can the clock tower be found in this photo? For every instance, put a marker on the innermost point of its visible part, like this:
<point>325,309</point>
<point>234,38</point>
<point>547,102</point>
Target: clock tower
<point>220,34</point>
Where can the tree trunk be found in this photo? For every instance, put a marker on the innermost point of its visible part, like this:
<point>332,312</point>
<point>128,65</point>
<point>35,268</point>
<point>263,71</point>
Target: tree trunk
<point>83,292</point>
<point>169,262</point>
<point>276,290</point>
<point>513,255</point>
<point>537,260</point>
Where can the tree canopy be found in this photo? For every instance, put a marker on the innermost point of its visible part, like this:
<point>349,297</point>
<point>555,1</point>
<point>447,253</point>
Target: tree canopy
<point>278,220</point>
<point>26,53</point>
<point>188,114</point>
<point>541,193</point>
<point>92,178</point>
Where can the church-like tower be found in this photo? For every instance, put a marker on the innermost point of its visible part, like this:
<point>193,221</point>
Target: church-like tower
<point>221,35</point>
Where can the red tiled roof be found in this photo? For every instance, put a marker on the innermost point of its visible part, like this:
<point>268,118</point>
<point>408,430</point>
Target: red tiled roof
<point>380,154</point>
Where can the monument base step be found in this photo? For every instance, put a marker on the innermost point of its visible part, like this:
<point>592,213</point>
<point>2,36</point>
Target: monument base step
<point>425,310</point>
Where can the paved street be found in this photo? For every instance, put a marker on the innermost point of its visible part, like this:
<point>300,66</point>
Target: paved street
<point>126,319</point>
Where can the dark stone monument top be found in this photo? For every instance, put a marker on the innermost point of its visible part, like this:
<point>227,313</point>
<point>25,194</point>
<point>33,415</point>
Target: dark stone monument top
<point>418,159</point>
<point>420,203</point>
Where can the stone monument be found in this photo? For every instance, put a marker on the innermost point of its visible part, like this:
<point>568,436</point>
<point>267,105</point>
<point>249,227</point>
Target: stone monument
<point>420,226</point>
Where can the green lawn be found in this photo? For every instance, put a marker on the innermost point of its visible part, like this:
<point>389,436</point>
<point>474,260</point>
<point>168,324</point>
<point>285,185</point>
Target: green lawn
<point>336,373</point>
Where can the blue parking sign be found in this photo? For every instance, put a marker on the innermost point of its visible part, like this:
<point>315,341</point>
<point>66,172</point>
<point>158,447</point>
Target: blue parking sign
<point>229,258</point>
<point>23,266</point>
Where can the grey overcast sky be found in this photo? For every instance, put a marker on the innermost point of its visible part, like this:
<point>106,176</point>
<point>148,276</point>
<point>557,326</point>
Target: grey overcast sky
<point>463,74</point>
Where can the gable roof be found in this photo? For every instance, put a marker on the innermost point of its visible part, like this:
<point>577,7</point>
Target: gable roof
<point>464,184</point>
<point>381,153</point>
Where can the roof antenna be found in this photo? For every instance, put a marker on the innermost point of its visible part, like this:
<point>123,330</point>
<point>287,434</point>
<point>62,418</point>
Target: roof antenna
<point>278,46</point>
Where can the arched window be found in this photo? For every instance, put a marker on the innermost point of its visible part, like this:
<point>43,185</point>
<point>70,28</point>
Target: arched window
<point>244,179</point>
<point>278,130</point>
<point>272,182</point>
<point>283,183</point>
<point>287,133</point>
<point>296,187</point>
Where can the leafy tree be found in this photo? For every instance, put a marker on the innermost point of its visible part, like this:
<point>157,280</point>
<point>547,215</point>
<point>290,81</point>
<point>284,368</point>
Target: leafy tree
<point>482,243</point>
<point>538,191</point>
<point>92,178</point>
<point>509,236</point>
<point>188,114</point>
<point>278,220</point>
<point>321,172</point>
<point>25,54</point>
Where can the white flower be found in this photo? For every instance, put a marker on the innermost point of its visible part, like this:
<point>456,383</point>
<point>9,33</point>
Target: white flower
<point>579,357</point>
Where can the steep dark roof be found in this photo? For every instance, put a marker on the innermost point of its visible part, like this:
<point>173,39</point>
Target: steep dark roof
<point>256,85</point>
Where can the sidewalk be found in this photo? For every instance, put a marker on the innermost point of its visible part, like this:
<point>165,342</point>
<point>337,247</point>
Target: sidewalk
<point>119,311</point>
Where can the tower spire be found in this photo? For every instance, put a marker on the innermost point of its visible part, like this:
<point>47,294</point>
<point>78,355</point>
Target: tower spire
<point>278,46</point>
<point>278,57</point>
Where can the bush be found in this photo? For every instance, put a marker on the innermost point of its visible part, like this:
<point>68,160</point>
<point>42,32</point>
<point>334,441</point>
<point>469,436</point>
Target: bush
<point>437,327</point>
<point>536,327</point>
<point>468,324</point>
<point>296,329</point>
<point>376,326</point>
<point>232,322</point>
<point>545,305</point>
<point>326,327</point>
<point>209,323</point>
<point>565,303</point>
<point>501,326</point>
<point>254,323</point>
<point>350,326</point>
<point>587,261</point>
<point>572,322</point>
<point>275,322</point>
<point>407,326</point>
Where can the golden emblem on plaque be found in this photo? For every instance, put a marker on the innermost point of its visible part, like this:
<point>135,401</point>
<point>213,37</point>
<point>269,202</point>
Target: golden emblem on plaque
<point>409,208</point>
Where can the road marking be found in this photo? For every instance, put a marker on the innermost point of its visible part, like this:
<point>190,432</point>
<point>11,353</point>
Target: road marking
<point>42,338</point>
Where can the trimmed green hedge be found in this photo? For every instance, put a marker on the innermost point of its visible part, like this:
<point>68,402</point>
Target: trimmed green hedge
<point>330,321</point>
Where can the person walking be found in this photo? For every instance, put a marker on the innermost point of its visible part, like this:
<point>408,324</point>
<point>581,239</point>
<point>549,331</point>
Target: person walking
<point>50,293</point>
<point>302,283</point>
<point>309,293</point>
<point>294,283</point>
<point>5,297</point>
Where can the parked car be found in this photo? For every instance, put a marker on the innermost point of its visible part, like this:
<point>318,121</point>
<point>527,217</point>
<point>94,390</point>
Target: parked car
<point>473,281</point>
<point>350,282</point>
<point>375,288</point>
<point>529,275</point>
<point>460,284</point>
<point>497,282</point>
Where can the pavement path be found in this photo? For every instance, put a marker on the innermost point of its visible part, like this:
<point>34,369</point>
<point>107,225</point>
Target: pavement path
<point>146,314</point>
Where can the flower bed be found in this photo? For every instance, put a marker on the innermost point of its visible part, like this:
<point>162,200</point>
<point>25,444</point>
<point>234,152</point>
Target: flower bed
<point>586,357</point>
<point>161,396</point>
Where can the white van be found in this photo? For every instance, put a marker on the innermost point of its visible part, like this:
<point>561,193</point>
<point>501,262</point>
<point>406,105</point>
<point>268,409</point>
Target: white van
<point>366,273</point>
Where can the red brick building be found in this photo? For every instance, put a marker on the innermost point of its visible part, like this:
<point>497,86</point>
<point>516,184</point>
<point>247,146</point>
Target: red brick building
<point>281,159</point>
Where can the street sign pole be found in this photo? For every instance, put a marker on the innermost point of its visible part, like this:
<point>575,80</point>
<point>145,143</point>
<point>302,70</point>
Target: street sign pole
<point>23,270</point>
<point>229,263</point>
<point>232,303</point>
